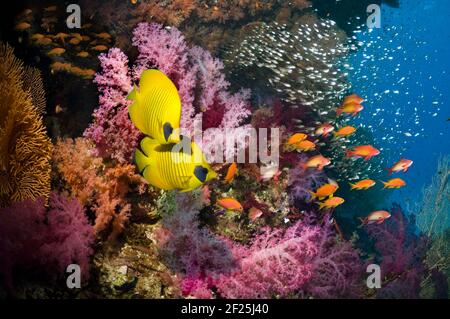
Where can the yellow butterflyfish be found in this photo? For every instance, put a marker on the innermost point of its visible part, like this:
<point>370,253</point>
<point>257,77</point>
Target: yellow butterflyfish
<point>156,110</point>
<point>179,166</point>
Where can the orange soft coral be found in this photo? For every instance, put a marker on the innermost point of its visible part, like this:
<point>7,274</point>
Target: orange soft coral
<point>102,188</point>
<point>25,149</point>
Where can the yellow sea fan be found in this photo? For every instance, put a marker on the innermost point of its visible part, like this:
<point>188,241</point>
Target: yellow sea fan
<point>32,82</point>
<point>25,149</point>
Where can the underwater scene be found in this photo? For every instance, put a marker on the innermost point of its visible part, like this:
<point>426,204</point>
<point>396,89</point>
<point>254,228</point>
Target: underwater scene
<point>225,149</point>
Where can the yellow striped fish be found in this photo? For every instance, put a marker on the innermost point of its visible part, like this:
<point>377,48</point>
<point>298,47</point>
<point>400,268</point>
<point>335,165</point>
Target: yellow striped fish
<point>156,110</point>
<point>179,166</point>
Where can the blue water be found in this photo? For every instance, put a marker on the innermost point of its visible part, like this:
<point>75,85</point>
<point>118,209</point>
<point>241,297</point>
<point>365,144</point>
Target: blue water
<point>403,70</point>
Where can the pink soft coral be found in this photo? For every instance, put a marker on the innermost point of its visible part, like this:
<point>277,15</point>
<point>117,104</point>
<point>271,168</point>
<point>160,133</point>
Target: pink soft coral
<point>47,239</point>
<point>112,132</point>
<point>304,260</point>
<point>278,262</point>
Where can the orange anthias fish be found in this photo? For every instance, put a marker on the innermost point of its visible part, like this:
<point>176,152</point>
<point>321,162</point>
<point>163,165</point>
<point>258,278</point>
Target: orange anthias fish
<point>331,202</point>
<point>44,41</point>
<point>364,151</point>
<point>345,131</point>
<point>305,146</point>
<point>377,217</point>
<point>351,108</point>
<point>394,183</point>
<point>37,36</point>
<point>100,48</point>
<point>296,138</point>
<point>232,170</point>
<point>254,213</point>
<point>317,161</point>
<point>324,129</point>
<point>354,98</point>
<point>83,54</point>
<point>74,41</point>
<point>56,51</point>
<point>324,191</point>
<point>22,26</point>
<point>230,204</point>
<point>401,165</point>
<point>363,184</point>
<point>103,35</point>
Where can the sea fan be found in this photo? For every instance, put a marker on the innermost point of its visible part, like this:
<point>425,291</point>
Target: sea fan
<point>25,149</point>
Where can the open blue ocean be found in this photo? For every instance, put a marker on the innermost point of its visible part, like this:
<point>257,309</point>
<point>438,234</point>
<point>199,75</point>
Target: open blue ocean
<point>403,69</point>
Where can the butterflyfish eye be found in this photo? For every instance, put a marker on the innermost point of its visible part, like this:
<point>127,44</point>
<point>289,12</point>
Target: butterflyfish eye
<point>200,172</point>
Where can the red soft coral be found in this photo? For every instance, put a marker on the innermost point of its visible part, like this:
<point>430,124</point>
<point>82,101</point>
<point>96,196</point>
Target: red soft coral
<point>402,253</point>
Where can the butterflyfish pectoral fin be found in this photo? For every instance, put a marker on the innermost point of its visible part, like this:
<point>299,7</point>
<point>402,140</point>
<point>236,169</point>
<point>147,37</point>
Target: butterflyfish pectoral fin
<point>141,160</point>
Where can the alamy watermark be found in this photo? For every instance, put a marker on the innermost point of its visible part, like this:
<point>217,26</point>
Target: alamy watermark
<point>74,19</point>
<point>74,279</point>
<point>374,18</point>
<point>227,145</point>
<point>374,279</point>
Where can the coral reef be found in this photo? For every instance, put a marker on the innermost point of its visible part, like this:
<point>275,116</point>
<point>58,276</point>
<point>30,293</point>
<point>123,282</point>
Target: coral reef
<point>47,240</point>
<point>103,188</point>
<point>208,23</point>
<point>81,199</point>
<point>402,254</point>
<point>25,148</point>
<point>193,253</point>
<point>276,264</point>
<point>32,81</point>
<point>302,260</point>
<point>432,216</point>
<point>134,270</point>
<point>301,182</point>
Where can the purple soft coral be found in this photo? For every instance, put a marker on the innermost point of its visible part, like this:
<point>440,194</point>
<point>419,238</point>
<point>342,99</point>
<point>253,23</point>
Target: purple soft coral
<point>302,181</point>
<point>50,239</point>
<point>337,268</point>
<point>192,252</point>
